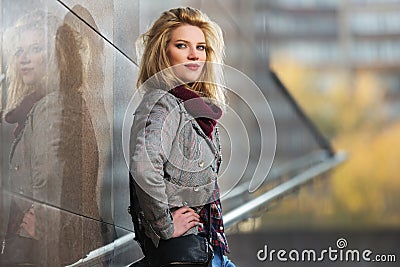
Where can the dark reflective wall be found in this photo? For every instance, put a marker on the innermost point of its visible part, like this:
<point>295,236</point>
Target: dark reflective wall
<point>59,133</point>
<point>57,200</point>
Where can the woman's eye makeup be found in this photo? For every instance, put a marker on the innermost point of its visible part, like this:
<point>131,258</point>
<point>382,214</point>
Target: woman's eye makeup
<point>181,45</point>
<point>32,49</point>
<point>19,51</point>
<point>36,49</point>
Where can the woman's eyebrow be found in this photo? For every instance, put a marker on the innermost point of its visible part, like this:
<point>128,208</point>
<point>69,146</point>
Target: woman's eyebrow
<point>30,45</point>
<point>185,41</point>
<point>181,40</point>
<point>34,44</point>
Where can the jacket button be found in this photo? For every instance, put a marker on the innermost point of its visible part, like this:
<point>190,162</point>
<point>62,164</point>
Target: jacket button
<point>196,188</point>
<point>201,163</point>
<point>16,168</point>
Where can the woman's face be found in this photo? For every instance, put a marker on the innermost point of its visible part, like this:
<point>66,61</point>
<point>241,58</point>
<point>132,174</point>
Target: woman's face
<point>31,57</point>
<point>187,50</point>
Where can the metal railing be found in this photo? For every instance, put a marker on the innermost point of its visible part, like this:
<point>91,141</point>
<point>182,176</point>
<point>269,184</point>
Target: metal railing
<point>232,217</point>
<point>243,211</point>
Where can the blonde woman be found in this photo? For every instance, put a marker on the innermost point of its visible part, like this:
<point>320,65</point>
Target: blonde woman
<point>54,155</point>
<point>175,148</point>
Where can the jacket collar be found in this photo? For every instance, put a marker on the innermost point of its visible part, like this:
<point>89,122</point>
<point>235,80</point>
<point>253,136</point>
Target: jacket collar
<point>18,115</point>
<point>206,114</point>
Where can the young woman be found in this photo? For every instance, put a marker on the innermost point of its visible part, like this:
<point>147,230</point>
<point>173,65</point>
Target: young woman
<point>174,146</point>
<point>54,155</point>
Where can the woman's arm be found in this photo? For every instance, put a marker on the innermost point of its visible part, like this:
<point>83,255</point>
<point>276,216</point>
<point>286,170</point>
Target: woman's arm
<point>47,167</point>
<point>155,127</point>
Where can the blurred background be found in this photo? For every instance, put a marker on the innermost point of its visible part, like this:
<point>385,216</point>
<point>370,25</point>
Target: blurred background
<point>329,70</point>
<point>340,61</point>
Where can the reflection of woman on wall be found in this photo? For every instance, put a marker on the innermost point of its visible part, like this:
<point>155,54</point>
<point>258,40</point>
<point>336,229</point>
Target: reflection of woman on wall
<point>54,157</point>
<point>91,52</point>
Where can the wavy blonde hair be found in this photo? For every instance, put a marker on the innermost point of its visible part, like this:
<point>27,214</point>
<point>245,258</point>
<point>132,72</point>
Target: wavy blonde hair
<point>155,60</point>
<point>64,66</point>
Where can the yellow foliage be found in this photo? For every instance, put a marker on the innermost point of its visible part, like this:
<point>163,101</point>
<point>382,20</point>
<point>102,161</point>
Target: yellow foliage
<point>342,106</point>
<point>350,110</point>
<point>369,182</point>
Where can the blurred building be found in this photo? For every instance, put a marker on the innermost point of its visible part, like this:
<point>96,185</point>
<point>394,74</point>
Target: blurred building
<point>336,35</point>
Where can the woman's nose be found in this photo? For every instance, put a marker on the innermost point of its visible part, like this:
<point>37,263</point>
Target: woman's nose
<point>193,54</point>
<point>24,57</point>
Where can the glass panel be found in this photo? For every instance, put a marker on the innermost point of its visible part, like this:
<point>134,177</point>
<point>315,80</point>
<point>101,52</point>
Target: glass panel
<point>61,237</point>
<point>98,15</point>
<point>125,74</point>
<point>53,132</point>
<point>60,121</point>
<point>116,20</point>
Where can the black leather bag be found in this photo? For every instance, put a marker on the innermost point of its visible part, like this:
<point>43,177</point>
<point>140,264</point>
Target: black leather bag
<point>184,251</point>
<point>19,251</point>
<point>188,250</point>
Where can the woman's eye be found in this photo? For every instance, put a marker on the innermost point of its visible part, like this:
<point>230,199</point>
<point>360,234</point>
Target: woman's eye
<point>181,46</point>
<point>201,47</point>
<point>19,52</point>
<point>37,49</point>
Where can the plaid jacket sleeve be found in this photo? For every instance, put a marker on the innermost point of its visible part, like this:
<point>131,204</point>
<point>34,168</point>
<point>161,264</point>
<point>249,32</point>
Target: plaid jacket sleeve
<point>154,128</point>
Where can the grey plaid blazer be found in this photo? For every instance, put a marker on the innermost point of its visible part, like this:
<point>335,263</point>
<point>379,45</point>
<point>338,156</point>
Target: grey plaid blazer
<point>172,161</point>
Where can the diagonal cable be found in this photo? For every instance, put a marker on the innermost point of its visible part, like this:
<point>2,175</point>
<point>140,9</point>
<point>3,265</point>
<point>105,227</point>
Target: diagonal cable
<point>98,32</point>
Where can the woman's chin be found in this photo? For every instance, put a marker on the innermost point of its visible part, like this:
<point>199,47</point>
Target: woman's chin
<point>189,78</point>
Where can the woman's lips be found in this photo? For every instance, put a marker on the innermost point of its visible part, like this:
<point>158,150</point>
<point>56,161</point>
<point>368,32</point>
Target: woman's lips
<point>192,66</point>
<point>25,71</point>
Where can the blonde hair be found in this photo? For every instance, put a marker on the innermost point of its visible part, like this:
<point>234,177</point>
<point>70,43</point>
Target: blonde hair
<point>155,59</point>
<point>64,67</point>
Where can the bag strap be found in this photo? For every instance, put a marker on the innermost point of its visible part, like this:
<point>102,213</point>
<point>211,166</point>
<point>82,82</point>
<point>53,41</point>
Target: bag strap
<point>134,210</point>
<point>209,224</point>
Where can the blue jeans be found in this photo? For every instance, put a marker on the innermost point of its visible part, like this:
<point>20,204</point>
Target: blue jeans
<point>220,260</point>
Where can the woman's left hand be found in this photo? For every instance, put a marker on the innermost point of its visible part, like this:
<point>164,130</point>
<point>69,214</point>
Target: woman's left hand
<point>28,222</point>
<point>184,218</point>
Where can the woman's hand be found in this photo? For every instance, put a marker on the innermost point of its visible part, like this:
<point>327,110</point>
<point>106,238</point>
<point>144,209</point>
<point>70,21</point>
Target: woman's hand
<point>184,218</point>
<point>28,222</point>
